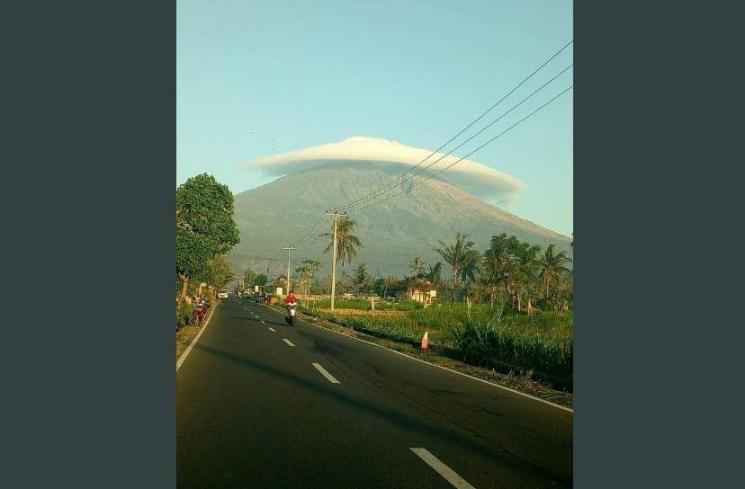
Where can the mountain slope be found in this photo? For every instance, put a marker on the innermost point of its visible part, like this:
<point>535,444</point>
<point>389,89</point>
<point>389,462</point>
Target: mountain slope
<point>289,211</point>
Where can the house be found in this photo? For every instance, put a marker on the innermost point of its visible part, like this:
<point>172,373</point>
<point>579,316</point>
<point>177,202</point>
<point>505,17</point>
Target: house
<point>426,296</point>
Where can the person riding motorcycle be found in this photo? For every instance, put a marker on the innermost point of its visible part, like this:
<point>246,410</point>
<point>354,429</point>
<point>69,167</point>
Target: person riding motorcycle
<point>290,303</point>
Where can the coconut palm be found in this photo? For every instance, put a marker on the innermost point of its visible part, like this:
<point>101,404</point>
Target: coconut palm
<point>434,276</point>
<point>551,267</point>
<point>460,256</point>
<point>416,267</point>
<point>346,242</point>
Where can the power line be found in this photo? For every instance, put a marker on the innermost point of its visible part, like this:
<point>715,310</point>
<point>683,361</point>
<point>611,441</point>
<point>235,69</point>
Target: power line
<point>475,150</point>
<point>473,136</point>
<point>393,184</point>
<point>390,185</point>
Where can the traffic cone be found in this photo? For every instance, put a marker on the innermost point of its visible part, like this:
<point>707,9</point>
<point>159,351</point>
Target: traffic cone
<point>425,340</point>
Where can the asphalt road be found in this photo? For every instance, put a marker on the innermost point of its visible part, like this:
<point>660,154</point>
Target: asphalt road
<point>253,411</point>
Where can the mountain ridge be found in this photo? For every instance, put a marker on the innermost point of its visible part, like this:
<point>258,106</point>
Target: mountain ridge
<point>289,211</point>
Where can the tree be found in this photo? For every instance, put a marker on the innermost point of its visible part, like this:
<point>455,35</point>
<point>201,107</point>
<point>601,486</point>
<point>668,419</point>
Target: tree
<point>346,242</point>
<point>434,276</point>
<point>205,225</point>
<point>551,266</point>
<point>306,271</point>
<point>361,278</point>
<point>249,276</point>
<point>511,263</point>
<point>216,272</point>
<point>417,267</point>
<point>460,256</point>
<point>261,280</point>
<point>471,262</point>
<point>491,275</point>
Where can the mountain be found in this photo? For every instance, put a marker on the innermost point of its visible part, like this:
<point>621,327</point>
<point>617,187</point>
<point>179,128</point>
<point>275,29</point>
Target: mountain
<point>290,211</point>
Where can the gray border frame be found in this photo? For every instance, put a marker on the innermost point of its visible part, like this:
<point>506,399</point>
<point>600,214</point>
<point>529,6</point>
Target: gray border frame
<point>88,199</point>
<point>88,181</point>
<point>655,397</point>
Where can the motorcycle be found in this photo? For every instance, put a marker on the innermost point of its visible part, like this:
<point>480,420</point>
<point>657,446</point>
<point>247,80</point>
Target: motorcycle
<point>291,312</point>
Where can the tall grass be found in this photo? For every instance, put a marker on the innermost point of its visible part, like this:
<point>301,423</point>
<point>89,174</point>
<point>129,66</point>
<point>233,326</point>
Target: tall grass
<point>362,305</point>
<point>485,336</point>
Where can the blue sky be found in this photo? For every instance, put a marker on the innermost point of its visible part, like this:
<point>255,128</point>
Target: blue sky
<point>256,78</point>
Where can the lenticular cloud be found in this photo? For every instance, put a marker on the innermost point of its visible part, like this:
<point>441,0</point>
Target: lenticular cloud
<point>474,177</point>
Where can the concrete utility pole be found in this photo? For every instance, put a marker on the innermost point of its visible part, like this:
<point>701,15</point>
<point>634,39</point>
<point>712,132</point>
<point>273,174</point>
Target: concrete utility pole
<point>289,253</point>
<point>336,216</point>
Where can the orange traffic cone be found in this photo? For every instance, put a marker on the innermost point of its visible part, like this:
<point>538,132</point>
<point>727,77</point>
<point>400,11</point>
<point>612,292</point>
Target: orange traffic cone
<point>425,340</point>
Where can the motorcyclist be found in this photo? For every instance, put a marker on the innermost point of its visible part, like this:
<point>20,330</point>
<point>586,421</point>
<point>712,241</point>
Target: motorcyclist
<point>290,302</point>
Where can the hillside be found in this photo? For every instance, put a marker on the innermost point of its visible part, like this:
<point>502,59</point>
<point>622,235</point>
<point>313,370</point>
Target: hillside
<point>289,211</point>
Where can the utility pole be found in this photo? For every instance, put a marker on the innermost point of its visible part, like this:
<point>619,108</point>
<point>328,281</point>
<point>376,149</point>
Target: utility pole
<point>267,269</point>
<point>289,254</point>
<point>336,216</point>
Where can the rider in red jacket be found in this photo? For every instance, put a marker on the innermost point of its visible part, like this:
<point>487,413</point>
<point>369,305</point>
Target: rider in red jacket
<point>291,300</point>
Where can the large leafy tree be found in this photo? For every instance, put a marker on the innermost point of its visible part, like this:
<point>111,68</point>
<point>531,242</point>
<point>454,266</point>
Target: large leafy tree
<point>205,225</point>
<point>551,267</point>
<point>216,272</point>
<point>347,243</point>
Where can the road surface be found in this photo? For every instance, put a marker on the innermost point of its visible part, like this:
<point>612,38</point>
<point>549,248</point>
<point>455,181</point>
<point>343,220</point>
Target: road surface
<point>261,404</point>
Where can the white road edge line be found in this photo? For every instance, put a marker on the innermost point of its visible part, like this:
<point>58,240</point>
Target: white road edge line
<point>559,406</point>
<point>328,376</point>
<point>272,329</point>
<point>194,341</point>
<point>446,472</point>
<point>289,343</point>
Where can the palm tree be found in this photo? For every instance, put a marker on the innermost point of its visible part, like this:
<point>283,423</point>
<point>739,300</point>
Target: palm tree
<point>471,263</point>
<point>551,266</point>
<point>434,276</point>
<point>491,273</point>
<point>461,257</point>
<point>346,242</point>
<point>416,267</point>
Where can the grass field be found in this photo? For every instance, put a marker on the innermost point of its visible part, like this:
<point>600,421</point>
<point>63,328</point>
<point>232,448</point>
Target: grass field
<point>541,344</point>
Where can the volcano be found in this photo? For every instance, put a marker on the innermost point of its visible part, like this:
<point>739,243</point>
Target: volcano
<point>289,211</point>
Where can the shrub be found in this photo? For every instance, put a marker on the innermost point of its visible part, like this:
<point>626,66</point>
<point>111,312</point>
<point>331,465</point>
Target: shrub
<point>184,315</point>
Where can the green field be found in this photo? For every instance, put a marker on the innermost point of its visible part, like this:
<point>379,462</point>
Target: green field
<point>541,344</point>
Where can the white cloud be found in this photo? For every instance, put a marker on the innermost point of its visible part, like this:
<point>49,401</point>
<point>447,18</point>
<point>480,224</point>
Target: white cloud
<point>474,177</point>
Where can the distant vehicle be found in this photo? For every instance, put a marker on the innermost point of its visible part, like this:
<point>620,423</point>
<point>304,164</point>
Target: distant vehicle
<point>222,295</point>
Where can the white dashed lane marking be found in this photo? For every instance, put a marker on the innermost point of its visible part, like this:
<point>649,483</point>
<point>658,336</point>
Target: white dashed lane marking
<point>328,376</point>
<point>446,472</point>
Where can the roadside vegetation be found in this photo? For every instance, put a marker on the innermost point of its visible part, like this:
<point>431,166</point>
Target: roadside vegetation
<point>507,309</point>
<point>205,232</point>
